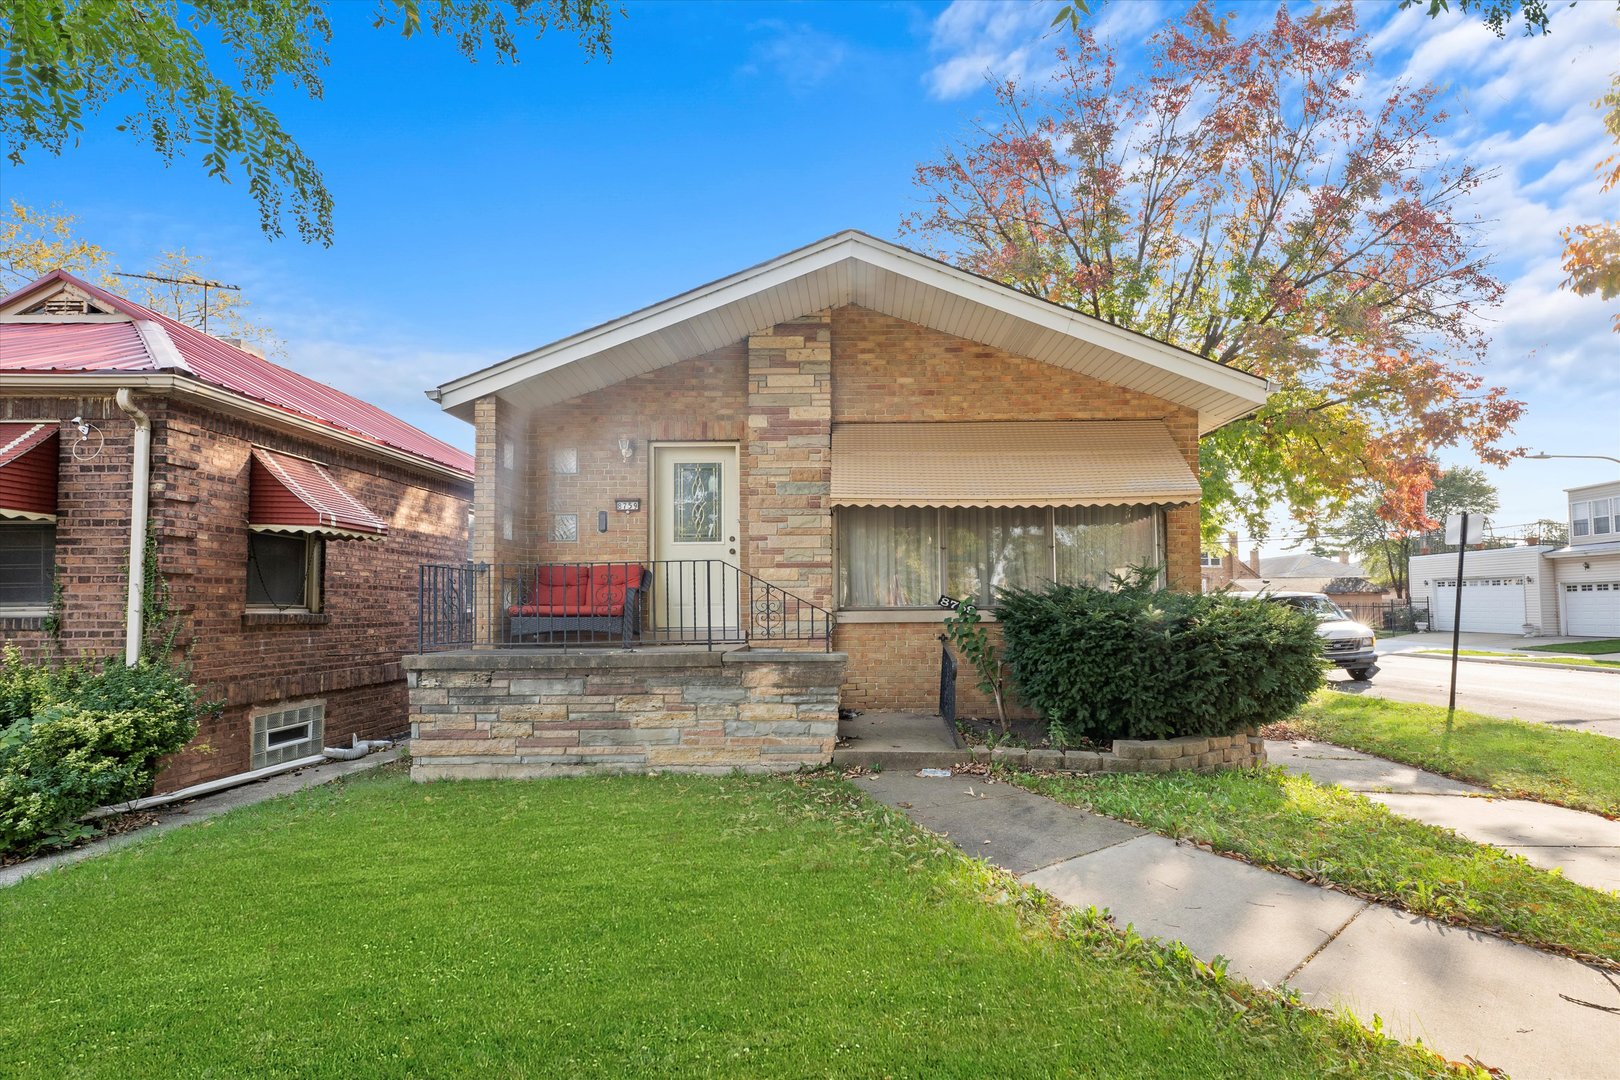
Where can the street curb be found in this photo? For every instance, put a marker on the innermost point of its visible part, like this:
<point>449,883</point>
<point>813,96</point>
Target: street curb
<point>1510,662</point>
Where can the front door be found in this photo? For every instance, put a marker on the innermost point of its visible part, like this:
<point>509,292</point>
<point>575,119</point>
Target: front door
<point>694,528</point>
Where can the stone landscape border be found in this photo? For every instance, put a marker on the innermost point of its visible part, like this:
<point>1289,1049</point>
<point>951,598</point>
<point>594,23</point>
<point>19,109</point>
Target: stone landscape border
<point>1203,753</point>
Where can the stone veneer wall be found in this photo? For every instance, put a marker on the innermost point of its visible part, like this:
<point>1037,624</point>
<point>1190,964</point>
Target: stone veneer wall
<point>532,714</point>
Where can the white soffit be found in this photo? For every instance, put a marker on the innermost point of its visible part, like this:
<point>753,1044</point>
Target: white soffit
<point>853,268</point>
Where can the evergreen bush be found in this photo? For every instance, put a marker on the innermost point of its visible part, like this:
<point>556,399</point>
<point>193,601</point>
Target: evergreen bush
<point>1139,664</point>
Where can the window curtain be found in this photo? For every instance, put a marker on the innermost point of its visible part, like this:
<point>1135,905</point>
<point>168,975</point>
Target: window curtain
<point>995,548</point>
<point>896,557</point>
<point>1094,542</point>
<point>888,557</point>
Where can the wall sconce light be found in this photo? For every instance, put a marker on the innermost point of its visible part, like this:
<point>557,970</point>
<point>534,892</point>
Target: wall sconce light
<point>1528,580</point>
<point>1586,566</point>
<point>1425,583</point>
<point>627,447</point>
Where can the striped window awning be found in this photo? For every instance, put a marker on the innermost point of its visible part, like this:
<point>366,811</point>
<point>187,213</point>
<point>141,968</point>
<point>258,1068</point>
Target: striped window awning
<point>289,494</point>
<point>28,467</point>
<point>1010,463</point>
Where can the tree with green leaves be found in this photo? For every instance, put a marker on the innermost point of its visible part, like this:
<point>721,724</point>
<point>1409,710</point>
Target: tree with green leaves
<point>1497,14</point>
<point>197,74</point>
<point>1385,546</point>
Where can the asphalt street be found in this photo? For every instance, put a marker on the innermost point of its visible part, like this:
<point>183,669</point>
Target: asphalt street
<point>1584,700</point>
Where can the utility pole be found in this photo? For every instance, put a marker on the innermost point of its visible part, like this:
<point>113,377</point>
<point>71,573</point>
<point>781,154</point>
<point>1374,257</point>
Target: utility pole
<point>202,283</point>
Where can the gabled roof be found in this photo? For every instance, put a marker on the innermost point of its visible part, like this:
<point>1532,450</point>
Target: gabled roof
<point>116,335</point>
<point>853,268</point>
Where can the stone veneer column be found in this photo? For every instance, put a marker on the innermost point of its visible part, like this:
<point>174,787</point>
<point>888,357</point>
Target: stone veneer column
<point>787,461</point>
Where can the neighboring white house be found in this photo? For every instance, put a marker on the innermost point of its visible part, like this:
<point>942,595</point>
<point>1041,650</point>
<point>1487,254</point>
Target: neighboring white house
<point>1572,591</point>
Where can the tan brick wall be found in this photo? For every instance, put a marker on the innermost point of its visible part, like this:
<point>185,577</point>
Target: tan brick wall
<point>349,654</point>
<point>698,400</point>
<point>777,394</point>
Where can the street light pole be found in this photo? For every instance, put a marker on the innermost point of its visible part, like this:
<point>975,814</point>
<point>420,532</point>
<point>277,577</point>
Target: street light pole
<point>1584,457</point>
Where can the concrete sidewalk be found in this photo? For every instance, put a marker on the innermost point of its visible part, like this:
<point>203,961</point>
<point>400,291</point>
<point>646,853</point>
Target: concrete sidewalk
<point>1464,994</point>
<point>1585,847</point>
<point>1504,643</point>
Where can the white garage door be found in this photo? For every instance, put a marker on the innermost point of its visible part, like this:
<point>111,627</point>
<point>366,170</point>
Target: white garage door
<point>1489,606</point>
<point>1592,608</point>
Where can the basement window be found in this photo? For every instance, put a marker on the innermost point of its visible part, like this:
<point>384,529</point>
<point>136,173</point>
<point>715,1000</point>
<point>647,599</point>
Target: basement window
<point>288,733</point>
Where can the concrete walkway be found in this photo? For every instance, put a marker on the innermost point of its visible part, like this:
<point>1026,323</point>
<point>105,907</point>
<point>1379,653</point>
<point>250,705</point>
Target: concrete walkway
<point>201,809</point>
<point>1585,847</point>
<point>1504,643</point>
<point>1464,994</point>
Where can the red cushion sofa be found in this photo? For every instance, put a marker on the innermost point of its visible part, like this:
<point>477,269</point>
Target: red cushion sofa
<point>580,597</point>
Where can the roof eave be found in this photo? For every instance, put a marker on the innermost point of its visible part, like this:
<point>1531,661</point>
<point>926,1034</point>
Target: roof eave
<point>225,401</point>
<point>1245,392</point>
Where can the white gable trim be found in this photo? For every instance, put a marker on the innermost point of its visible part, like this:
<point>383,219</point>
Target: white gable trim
<point>853,268</point>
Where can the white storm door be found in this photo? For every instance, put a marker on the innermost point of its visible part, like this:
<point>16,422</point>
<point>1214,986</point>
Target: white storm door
<point>695,528</point>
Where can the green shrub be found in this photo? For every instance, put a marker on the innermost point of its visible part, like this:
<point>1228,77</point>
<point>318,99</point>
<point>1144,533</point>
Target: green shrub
<point>1138,664</point>
<point>79,736</point>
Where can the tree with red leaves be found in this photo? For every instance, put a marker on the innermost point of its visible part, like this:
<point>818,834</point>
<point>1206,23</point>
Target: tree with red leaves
<point>1241,198</point>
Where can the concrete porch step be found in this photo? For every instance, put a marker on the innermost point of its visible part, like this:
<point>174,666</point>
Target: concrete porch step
<point>899,741</point>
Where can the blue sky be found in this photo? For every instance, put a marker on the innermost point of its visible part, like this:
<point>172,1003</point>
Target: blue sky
<point>485,209</point>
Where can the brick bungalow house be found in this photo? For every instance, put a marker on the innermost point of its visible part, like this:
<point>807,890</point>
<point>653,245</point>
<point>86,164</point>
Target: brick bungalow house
<point>288,520</point>
<point>856,425</point>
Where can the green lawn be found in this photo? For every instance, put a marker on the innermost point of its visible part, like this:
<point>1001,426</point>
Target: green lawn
<point>611,926</point>
<point>1573,661</point>
<point>1534,761</point>
<point>1334,837</point>
<point>1603,645</point>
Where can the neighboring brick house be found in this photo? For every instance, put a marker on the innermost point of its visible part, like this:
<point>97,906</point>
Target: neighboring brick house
<point>1222,569</point>
<point>288,520</point>
<point>865,427</point>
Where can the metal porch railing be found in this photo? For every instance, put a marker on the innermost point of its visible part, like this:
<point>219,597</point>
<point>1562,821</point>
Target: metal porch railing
<point>604,604</point>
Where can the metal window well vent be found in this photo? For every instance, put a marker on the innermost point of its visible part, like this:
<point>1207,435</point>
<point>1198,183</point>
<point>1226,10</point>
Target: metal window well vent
<point>288,734</point>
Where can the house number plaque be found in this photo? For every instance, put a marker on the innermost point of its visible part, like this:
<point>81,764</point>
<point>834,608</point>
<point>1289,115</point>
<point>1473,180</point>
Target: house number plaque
<point>627,506</point>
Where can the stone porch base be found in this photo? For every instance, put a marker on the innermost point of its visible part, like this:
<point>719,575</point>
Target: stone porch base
<point>483,714</point>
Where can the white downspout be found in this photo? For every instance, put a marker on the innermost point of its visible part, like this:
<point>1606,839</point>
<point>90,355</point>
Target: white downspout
<point>139,502</point>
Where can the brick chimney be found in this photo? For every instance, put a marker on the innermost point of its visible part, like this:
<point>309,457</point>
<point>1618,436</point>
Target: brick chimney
<point>1231,556</point>
<point>1344,557</point>
<point>1254,559</point>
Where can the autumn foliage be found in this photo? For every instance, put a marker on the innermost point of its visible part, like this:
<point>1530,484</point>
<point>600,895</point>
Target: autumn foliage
<point>1592,252</point>
<point>1247,199</point>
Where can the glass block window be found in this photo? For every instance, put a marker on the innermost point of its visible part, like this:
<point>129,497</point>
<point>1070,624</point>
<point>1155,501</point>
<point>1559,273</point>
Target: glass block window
<point>697,502</point>
<point>565,528</point>
<point>288,734</point>
<point>565,460</point>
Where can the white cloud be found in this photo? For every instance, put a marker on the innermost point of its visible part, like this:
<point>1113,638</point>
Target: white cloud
<point>796,54</point>
<point>987,38</point>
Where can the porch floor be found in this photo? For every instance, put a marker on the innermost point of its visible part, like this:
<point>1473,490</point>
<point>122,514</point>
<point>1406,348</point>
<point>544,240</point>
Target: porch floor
<point>898,740</point>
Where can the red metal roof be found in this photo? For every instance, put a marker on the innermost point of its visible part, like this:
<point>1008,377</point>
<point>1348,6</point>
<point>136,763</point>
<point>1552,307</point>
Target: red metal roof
<point>28,471</point>
<point>294,494</point>
<point>70,346</point>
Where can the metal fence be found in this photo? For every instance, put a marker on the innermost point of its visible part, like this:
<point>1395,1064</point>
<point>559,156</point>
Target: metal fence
<point>1389,614</point>
<point>672,601</point>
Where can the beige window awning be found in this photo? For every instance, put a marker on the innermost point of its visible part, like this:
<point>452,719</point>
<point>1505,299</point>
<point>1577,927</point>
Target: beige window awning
<point>1010,463</point>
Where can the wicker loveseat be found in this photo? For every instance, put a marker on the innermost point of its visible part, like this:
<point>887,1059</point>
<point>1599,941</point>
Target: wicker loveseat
<point>570,598</point>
